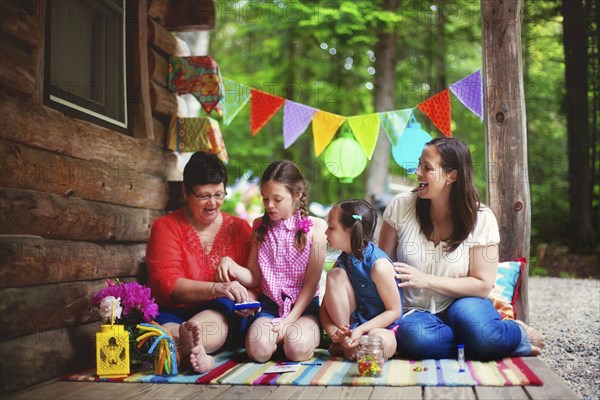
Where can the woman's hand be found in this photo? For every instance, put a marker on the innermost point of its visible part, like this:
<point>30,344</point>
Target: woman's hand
<point>410,276</point>
<point>232,290</point>
<point>225,270</point>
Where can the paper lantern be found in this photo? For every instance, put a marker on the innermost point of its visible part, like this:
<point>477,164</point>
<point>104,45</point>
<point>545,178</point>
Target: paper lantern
<point>345,158</point>
<point>407,150</point>
<point>112,351</point>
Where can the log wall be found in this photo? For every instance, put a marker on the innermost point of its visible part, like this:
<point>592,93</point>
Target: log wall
<point>77,200</point>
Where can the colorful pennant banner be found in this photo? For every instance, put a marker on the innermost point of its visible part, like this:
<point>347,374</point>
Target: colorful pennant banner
<point>325,125</point>
<point>296,118</point>
<point>200,76</point>
<point>365,128</point>
<point>469,91</point>
<point>262,108</point>
<point>366,131</point>
<point>437,108</point>
<point>394,123</point>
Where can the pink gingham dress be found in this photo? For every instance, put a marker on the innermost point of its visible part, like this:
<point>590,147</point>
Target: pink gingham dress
<point>282,265</point>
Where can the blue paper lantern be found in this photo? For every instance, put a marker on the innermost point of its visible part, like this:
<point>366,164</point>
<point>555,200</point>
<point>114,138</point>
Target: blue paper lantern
<point>407,150</point>
<point>345,158</point>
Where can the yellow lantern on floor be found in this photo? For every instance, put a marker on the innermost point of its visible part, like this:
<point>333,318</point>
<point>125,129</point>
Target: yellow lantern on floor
<point>112,351</point>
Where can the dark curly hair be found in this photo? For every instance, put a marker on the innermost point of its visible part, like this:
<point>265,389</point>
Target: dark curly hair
<point>204,169</point>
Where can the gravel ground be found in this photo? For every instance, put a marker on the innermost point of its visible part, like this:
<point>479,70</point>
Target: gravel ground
<point>567,312</point>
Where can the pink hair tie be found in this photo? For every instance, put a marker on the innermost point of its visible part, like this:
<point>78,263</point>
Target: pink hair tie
<point>304,224</point>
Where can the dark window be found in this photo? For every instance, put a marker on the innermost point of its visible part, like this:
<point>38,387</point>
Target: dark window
<point>85,60</point>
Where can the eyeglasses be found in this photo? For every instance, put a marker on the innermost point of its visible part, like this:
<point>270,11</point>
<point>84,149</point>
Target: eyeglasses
<point>219,196</point>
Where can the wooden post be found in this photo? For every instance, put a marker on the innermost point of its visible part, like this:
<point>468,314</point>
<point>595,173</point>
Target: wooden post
<point>506,134</point>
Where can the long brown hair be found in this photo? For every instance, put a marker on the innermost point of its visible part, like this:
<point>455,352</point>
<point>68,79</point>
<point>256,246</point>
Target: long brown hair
<point>288,174</point>
<point>464,199</point>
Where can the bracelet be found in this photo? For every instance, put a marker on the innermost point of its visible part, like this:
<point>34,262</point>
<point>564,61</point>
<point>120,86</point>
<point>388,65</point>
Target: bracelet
<point>212,289</point>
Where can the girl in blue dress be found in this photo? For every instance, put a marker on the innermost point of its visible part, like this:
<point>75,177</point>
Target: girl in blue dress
<point>361,295</point>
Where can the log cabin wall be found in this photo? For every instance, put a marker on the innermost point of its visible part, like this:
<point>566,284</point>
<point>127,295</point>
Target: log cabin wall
<point>77,200</point>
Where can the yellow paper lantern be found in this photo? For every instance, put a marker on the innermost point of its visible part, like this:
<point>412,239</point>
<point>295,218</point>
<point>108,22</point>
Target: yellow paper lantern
<point>345,158</point>
<point>112,351</point>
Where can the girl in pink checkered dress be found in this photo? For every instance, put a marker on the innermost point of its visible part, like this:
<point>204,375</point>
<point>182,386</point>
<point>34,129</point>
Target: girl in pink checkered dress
<point>286,261</point>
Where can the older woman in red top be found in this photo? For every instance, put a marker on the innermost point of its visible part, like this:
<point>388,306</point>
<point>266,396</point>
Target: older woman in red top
<point>183,253</point>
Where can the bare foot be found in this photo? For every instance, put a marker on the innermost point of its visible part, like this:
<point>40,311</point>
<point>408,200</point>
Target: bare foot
<point>189,339</point>
<point>535,338</point>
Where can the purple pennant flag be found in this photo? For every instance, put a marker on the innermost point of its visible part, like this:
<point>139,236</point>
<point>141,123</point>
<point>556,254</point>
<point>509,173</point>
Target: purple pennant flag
<point>296,118</point>
<point>469,91</point>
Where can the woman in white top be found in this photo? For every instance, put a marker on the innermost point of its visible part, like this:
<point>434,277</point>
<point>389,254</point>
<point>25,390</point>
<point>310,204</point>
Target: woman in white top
<point>445,244</point>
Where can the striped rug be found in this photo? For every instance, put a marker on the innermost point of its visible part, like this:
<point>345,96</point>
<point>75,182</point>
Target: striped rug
<point>233,368</point>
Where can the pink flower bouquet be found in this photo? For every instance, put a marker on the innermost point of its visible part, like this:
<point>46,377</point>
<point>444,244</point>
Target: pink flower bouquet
<point>136,302</point>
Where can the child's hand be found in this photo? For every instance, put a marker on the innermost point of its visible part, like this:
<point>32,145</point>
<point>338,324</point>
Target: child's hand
<point>279,326</point>
<point>336,334</point>
<point>351,337</point>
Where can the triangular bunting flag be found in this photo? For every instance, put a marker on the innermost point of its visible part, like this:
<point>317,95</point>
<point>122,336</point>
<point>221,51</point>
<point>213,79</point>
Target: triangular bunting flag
<point>470,92</point>
<point>325,125</point>
<point>394,123</point>
<point>236,96</point>
<point>262,108</point>
<point>296,118</point>
<point>366,130</point>
<point>437,108</point>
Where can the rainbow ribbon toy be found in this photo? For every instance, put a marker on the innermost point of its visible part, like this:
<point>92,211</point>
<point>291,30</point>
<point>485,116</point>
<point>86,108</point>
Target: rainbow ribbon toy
<point>168,359</point>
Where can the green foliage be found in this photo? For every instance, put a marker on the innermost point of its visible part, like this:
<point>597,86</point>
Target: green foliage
<point>322,53</point>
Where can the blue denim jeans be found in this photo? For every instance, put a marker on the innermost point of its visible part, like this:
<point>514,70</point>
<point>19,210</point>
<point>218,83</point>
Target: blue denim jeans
<point>471,321</point>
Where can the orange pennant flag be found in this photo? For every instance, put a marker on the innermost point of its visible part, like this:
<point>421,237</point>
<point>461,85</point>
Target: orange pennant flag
<point>325,125</point>
<point>262,108</point>
<point>437,108</point>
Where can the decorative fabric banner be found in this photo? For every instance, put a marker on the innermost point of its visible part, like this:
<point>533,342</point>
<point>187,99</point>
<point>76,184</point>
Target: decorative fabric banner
<point>262,108</point>
<point>198,75</point>
<point>325,125</point>
<point>196,134</point>
<point>366,130</point>
<point>296,118</point>
<point>470,92</point>
<point>394,123</point>
<point>437,108</point>
<point>236,96</point>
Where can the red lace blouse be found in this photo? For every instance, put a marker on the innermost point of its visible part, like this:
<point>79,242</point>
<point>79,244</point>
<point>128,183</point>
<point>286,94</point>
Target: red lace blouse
<point>175,251</point>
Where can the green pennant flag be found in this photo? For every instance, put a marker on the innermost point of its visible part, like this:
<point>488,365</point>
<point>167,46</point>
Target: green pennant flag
<point>365,129</point>
<point>394,123</point>
<point>236,96</point>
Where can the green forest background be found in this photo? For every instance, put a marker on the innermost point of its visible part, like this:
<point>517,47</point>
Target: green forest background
<point>322,54</point>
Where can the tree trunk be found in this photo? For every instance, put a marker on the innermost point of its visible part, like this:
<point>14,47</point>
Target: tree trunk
<point>385,81</point>
<point>506,134</point>
<point>578,134</point>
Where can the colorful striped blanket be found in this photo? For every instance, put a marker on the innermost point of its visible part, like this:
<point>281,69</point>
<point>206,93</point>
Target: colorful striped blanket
<point>233,368</point>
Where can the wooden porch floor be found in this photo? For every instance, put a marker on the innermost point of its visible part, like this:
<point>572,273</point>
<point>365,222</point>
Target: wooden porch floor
<point>554,388</point>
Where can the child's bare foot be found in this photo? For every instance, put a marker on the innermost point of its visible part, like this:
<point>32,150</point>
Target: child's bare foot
<point>535,338</point>
<point>192,349</point>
